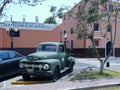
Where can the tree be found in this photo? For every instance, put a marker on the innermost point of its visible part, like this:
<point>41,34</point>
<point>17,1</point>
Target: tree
<point>90,17</point>
<point>56,13</point>
<point>3,3</point>
<point>50,20</point>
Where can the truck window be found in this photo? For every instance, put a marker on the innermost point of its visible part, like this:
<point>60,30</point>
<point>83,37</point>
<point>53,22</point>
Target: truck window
<point>61,48</point>
<point>47,47</point>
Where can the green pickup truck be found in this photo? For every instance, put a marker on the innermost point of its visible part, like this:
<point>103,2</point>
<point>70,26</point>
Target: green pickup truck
<point>49,60</point>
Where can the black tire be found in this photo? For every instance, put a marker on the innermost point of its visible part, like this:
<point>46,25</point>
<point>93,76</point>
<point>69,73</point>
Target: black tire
<point>71,68</point>
<point>55,76</point>
<point>26,77</point>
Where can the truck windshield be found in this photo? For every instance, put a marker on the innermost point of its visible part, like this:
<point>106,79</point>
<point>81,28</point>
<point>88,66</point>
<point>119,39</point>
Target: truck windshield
<point>47,47</point>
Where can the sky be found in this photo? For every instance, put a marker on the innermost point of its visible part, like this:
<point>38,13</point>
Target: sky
<point>18,11</point>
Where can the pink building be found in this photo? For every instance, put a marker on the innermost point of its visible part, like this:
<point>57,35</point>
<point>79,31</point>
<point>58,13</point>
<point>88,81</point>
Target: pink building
<point>31,34</point>
<point>68,28</point>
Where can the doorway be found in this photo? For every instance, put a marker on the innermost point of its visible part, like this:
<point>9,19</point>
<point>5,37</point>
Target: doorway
<point>108,48</point>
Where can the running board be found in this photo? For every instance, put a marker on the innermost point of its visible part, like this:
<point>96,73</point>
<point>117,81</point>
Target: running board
<point>65,69</point>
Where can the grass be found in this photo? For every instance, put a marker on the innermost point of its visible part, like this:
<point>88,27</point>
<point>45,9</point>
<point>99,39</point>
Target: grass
<point>96,75</point>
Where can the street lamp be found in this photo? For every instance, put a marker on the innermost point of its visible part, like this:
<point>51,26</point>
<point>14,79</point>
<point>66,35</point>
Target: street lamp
<point>65,40</point>
<point>12,33</point>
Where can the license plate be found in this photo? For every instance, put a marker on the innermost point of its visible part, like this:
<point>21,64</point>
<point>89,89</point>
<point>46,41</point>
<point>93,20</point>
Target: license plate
<point>29,70</point>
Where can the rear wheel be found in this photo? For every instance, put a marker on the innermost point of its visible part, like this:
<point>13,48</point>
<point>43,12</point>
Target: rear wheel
<point>55,75</point>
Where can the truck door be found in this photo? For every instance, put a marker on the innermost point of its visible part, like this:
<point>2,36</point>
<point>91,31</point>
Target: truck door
<point>62,56</point>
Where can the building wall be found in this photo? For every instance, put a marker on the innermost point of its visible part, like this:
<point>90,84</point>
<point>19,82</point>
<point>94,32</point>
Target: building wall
<point>70,22</point>
<point>29,38</point>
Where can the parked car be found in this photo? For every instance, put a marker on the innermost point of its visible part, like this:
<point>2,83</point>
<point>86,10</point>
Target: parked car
<point>50,60</point>
<point>9,62</point>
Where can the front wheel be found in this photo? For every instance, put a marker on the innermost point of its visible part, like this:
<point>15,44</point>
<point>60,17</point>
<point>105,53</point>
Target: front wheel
<point>71,68</point>
<point>26,77</point>
<point>55,75</point>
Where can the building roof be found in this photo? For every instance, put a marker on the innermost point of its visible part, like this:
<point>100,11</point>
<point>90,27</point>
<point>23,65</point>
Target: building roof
<point>27,25</point>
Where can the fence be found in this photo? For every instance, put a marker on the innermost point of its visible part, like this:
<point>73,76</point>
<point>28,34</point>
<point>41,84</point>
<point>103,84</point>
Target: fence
<point>83,53</point>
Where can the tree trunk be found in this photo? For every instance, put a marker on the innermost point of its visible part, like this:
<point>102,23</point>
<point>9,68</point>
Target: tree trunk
<point>101,66</point>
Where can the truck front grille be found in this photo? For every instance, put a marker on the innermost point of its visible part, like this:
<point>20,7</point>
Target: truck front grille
<point>33,66</point>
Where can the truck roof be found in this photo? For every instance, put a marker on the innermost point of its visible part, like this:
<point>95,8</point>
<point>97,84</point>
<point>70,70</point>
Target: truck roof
<point>54,43</point>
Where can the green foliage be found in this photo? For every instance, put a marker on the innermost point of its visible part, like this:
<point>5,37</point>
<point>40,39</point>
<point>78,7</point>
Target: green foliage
<point>92,18</point>
<point>60,12</point>
<point>82,34</point>
<point>53,9</point>
<point>103,1</point>
<point>50,20</point>
<point>86,1</point>
<point>92,49</point>
<point>89,36</point>
<point>55,13</point>
<point>92,15</point>
<point>91,10</point>
<point>109,27</point>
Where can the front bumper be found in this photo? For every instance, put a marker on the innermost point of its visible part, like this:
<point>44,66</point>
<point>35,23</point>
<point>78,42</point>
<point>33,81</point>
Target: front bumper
<point>36,72</point>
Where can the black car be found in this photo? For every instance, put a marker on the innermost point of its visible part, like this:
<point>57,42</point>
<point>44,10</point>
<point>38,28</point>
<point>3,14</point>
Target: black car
<point>9,62</point>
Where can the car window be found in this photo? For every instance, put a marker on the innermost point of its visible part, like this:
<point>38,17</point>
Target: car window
<point>14,55</point>
<point>4,56</point>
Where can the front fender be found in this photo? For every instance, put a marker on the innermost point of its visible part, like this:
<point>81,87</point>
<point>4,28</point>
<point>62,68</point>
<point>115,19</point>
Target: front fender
<point>70,61</point>
<point>53,63</point>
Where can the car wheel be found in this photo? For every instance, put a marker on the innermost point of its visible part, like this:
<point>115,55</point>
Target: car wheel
<point>71,68</point>
<point>26,77</point>
<point>55,75</point>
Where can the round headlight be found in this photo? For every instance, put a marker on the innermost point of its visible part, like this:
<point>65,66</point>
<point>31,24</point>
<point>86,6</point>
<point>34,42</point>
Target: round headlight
<point>46,66</point>
<point>21,65</point>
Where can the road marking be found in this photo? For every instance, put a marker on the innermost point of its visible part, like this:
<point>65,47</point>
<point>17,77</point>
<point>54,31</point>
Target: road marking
<point>29,82</point>
<point>72,77</point>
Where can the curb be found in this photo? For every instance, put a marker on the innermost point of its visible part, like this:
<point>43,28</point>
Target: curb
<point>92,87</point>
<point>84,70</point>
<point>71,77</point>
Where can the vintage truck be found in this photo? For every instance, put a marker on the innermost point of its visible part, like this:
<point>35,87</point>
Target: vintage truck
<point>49,60</point>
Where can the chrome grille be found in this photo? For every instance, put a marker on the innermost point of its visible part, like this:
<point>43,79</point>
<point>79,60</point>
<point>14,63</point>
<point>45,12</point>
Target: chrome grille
<point>33,66</point>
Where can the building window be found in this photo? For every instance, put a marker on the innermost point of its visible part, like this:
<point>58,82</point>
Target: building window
<point>96,42</point>
<point>71,30</point>
<point>96,26</point>
<point>95,5</point>
<point>110,8</point>
<point>79,8</point>
<point>64,17</point>
<point>109,27</point>
<point>71,44</point>
<point>64,31</point>
<point>31,26</point>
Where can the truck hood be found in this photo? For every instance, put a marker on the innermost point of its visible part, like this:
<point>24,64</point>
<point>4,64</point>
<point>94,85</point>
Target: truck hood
<point>43,55</point>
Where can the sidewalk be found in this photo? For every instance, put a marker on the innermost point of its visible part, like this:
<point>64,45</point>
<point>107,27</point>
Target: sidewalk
<point>71,85</point>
